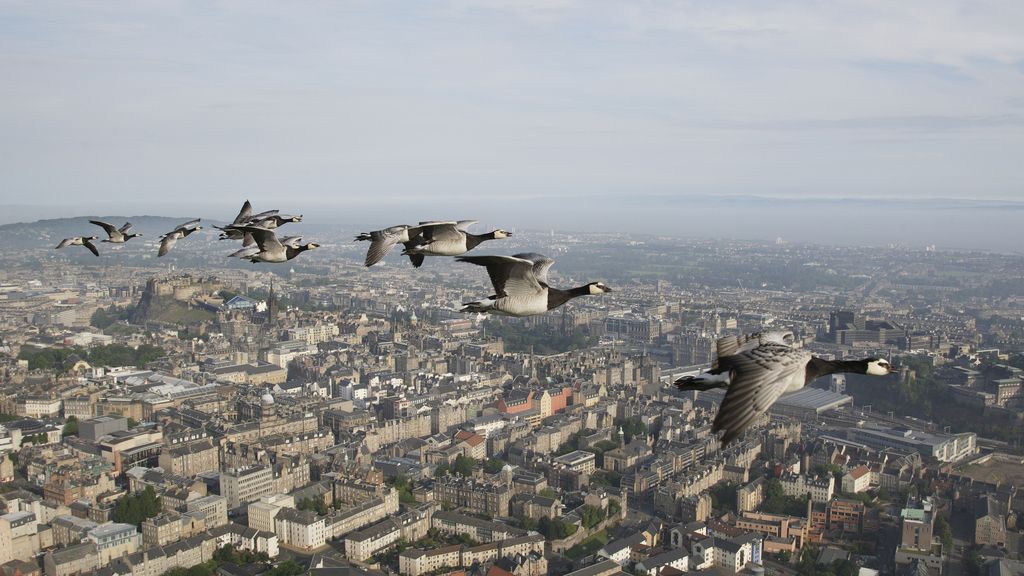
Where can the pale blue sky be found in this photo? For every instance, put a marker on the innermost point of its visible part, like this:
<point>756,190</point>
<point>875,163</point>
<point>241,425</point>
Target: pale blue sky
<point>161,102</point>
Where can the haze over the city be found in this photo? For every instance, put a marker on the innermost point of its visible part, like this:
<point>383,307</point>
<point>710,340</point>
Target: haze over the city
<point>832,122</point>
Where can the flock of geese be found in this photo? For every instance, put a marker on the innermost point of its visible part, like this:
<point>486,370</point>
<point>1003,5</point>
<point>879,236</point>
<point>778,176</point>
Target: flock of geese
<point>256,231</point>
<point>755,369</point>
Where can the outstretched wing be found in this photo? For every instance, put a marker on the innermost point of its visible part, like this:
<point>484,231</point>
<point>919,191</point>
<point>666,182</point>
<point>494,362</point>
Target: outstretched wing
<point>442,233</point>
<point>64,243</point>
<point>265,239</point>
<point>108,228</point>
<point>124,229</point>
<point>291,241</point>
<point>734,344</point>
<point>91,247</point>
<point>167,243</point>
<point>465,224</point>
<point>381,242</point>
<point>757,378</point>
<point>262,215</point>
<point>244,214</point>
<point>189,225</point>
<point>541,265</point>
<point>510,276</point>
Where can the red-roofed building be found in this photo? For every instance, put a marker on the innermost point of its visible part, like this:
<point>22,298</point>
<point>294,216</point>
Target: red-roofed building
<point>471,443</point>
<point>515,401</point>
<point>857,480</point>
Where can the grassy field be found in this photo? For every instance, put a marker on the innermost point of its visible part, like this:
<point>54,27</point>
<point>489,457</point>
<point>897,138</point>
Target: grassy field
<point>174,312</point>
<point>591,544</point>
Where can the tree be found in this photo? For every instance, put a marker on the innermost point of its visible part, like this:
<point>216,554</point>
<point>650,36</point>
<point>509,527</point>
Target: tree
<point>463,465</point>
<point>70,427</point>
<point>555,529</point>
<point>776,501</point>
<point>286,568</point>
<point>631,427</point>
<point>945,533</point>
<point>101,319</point>
<point>135,508</point>
<point>442,469</point>
<point>614,508</point>
<point>592,516</point>
<point>313,505</point>
<point>404,487</point>
<point>494,465</point>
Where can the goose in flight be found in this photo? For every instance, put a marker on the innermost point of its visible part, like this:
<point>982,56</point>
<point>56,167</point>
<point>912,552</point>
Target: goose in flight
<point>229,233</point>
<point>79,241</point>
<point>757,377</point>
<point>521,286</point>
<point>171,238</point>
<point>436,238</point>
<point>734,344</point>
<point>447,239</point>
<point>382,241</point>
<point>115,235</point>
<point>271,249</point>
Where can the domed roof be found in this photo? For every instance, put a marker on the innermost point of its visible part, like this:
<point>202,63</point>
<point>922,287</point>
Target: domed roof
<point>268,398</point>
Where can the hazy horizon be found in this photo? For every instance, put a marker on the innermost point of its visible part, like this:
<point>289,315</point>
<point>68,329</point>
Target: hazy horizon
<point>860,122</point>
<point>947,224</point>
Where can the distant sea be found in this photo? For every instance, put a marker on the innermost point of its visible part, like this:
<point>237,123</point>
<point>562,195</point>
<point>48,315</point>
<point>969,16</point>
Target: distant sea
<point>946,223</point>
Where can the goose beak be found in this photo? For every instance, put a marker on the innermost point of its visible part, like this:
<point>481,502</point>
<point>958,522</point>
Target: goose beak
<point>607,289</point>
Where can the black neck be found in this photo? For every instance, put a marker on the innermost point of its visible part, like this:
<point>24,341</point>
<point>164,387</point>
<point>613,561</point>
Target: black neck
<point>291,252</point>
<point>557,297</point>
<point>473,240</point>
<point>817,367</point>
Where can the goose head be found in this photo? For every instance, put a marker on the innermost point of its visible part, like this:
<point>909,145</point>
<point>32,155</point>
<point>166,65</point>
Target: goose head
<point>598,288</point>
<point>499,234</point>
<point>877,367</point>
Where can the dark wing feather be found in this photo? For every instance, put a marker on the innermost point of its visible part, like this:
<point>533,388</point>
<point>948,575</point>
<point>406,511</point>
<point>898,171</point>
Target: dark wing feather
<point>509,275</point>
<point>108,228</point>
<point>757,379</point>
<point>244,214</point>
<point>91,247</point>
<point>381,242</point>
<point>265,239</point>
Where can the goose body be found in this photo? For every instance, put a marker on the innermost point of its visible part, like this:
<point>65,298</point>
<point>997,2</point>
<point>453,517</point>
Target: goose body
<point>167,241</point>
<point>382,241</point>
<point>269,219</point>
<point>521,286</point>
<point>79,241</point>
<point>448,239</point>
<point>116,235</point>
<point>755,379</point>
<point>734,344</point>
<point>269,248</point>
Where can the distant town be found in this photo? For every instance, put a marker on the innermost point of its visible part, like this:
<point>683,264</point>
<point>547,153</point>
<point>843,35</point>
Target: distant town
<point>197,415</point>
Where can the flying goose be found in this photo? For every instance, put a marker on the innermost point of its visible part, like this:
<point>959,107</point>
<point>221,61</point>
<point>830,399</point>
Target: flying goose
<point>734,344</point>
<point>447,239</point>
<point>757,377</point>
<point>115,235</point>
<point>269,248</point>
<point>228,232</point>
<point>171,238</point>
<point>521,286</point>
<point>382,241</point>
<point>79,241</point>
<point>272,220</point>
